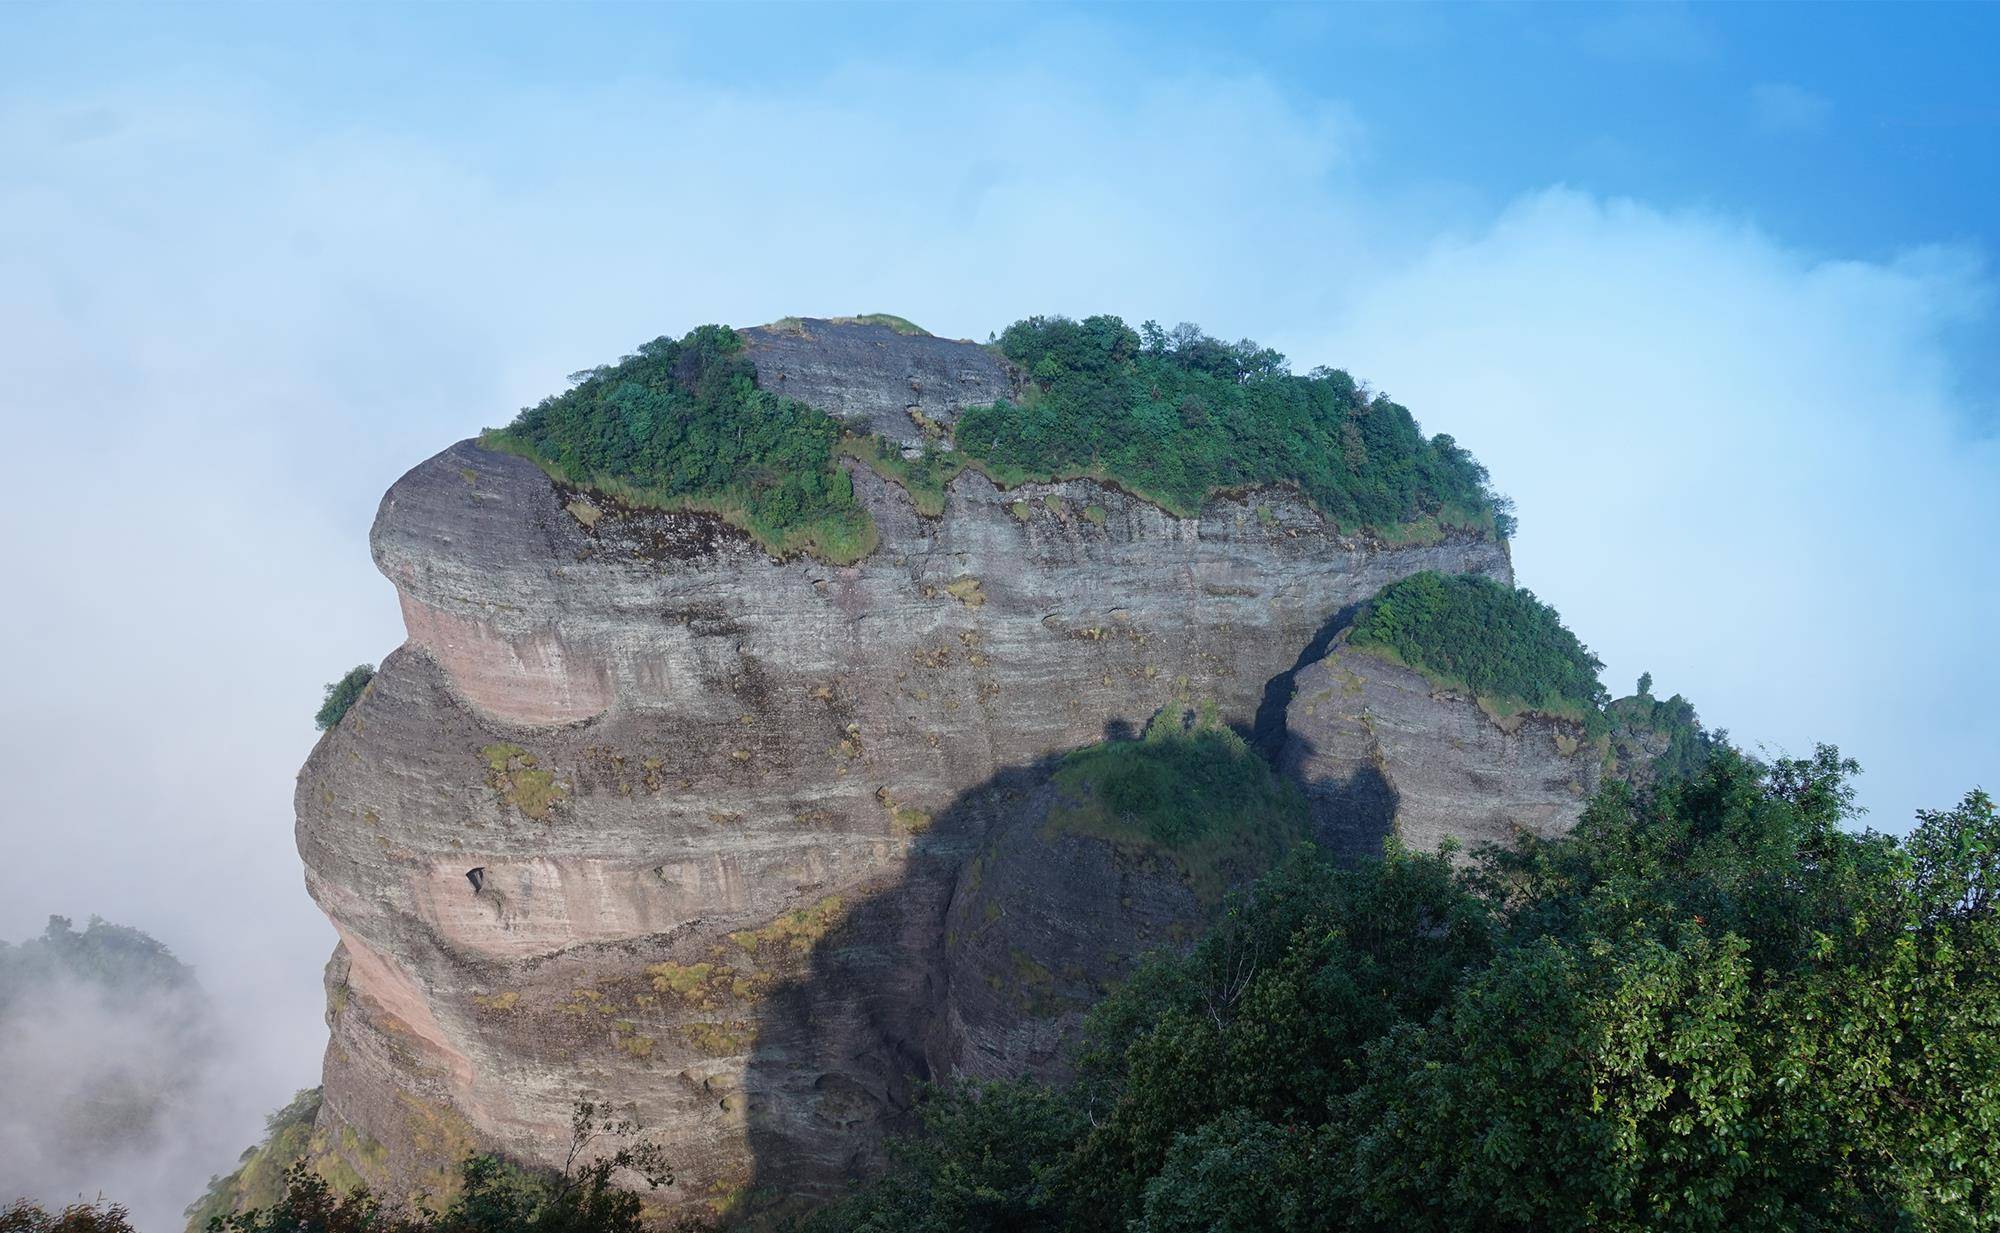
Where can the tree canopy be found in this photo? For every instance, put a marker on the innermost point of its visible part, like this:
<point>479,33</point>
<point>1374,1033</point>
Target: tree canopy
<point>1496,641</point>
<point>1190,789</point>
<point>1177,415</point>
<point>1711,1007</point>
<point>681,424</point>
<point>342,694</point>
<point>1174,417</point>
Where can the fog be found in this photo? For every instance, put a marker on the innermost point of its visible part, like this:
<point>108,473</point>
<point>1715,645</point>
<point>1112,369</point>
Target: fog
<point>120,1095</point>
<point>225,329</point>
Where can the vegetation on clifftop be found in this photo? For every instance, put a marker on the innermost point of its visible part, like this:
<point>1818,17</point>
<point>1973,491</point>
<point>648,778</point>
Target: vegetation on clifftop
<point>1654,738</point>
<point>682,425</point>
<point>1176,416</point>
<point>1173,417</point>
<point>1711,1008</point>
<point>1494,641</point>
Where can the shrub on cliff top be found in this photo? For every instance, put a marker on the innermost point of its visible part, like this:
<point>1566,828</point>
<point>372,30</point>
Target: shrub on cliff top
<point>1176,416</point>
<point>342,694</point>
<point>1495,641</point>
<point>1663,735</point>
<point>681,424</point>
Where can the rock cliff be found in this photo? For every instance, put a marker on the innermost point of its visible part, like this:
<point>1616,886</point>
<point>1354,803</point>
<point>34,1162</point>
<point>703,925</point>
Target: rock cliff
<point>643,815</point>
<point>1382,751</point>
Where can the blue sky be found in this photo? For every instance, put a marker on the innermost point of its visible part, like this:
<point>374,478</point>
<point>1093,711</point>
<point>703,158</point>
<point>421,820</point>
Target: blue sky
<point>1710,289</point>
<point>1855,128</point>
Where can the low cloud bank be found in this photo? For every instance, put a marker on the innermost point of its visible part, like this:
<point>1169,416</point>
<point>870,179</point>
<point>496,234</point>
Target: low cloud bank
<point>117,1074</point>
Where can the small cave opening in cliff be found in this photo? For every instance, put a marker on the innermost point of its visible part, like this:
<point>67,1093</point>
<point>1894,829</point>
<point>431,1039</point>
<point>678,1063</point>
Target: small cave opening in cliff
<point>476,876</point>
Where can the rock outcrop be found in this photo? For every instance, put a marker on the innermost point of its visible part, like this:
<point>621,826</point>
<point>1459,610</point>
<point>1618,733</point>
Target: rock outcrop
<point>642,815</point>
<point>897,382</point>
<point>1381,751</point>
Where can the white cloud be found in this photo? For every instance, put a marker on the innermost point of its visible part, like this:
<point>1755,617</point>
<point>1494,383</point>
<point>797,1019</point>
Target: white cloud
<point>1737,467</point>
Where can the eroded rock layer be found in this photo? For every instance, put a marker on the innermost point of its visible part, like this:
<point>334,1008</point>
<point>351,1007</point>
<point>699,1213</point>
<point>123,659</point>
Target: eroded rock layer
<point>1380,750</point>
<point>640,814</point>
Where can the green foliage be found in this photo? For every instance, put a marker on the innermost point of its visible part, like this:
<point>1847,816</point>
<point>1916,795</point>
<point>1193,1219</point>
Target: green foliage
<point>342,694</point>
<point>494,1196</point>
<point>682,425</point>
<point>1713,1007</point>
<point>260,1177</point>
<point>21,1216</point>
<point>1175,417</point>
<point>901,325</point>
<point>923,477</point>
<point>115,958</point>
<point>1190,789</point>
<point>990,1160</point>
<point>1495,641</point>
<point>1655,738</point>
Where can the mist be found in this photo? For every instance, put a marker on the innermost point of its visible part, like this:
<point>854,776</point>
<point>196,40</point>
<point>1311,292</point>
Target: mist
<point>227,323</point>
<point>120,1095</point>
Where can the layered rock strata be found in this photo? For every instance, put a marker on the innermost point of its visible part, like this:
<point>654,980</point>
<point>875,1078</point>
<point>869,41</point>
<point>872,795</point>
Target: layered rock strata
<point>642,815</point>
<point>1381,750</point>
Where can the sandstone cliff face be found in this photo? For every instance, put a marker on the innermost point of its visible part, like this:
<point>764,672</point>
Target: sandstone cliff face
<point>1381,750</point>
<point>640,814</point>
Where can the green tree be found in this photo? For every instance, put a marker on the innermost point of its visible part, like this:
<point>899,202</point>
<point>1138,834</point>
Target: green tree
<point>1176,416</point>
<point>342,694</point>
<point>494,1197</point>
<point>681,424</point>
<point>1714,1006</point>
<point>1496,641</point>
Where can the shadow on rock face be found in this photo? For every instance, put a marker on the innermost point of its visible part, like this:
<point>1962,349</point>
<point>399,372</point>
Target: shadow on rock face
<point>840,1053</point>
<point>1270,730</point>
<point>1351,818</point>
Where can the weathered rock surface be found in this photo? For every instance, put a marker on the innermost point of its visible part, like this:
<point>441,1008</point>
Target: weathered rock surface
<point>1381,750</point>
<point>640,814</point>
<point>873,372</point>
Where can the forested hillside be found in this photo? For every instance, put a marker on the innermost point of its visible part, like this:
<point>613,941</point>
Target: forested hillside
<point>1710,1008</point>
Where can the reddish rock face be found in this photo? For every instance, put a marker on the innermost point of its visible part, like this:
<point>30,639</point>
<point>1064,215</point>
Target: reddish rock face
<point>641,815</point>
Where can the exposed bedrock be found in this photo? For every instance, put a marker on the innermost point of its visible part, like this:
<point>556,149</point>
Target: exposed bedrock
<point>641,814</point>
<point>871,371</point>
<point>1380,750</point>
